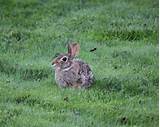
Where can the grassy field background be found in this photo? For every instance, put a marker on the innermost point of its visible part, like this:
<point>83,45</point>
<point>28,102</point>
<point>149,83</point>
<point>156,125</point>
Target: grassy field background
<point>125,64</point>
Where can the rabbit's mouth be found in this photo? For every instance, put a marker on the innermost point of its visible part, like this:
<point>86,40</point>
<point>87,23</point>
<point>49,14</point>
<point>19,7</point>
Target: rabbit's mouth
<point>54,63</point>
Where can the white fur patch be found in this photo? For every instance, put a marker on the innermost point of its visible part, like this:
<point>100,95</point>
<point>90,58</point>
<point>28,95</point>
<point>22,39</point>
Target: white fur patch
<point>66,69</point>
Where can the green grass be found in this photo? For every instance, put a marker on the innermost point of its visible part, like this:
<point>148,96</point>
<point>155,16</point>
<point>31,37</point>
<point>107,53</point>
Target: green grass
<point>125,64</point>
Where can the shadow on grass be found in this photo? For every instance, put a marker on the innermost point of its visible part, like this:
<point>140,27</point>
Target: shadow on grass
<point>34,101</point>
<point>108,84</point>
<point>132,35</point>
<point>128,85</point>
<point>24,72</point>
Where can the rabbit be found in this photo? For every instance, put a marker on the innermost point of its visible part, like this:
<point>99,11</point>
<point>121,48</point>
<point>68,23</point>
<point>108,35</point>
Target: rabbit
<point>70,71</point>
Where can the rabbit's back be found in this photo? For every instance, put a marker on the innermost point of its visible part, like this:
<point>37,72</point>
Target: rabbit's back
<point>85,73</point>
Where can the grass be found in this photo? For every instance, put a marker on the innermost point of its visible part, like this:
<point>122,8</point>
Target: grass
<point>125,63</point>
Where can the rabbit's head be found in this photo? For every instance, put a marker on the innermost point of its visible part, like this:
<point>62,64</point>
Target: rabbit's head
<point>65,60</point>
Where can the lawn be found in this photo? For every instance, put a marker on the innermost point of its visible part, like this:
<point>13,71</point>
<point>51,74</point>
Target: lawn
<point>125,64</point>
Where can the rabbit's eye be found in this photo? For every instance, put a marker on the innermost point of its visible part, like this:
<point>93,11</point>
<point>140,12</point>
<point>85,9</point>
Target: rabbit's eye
<point>64,59</point>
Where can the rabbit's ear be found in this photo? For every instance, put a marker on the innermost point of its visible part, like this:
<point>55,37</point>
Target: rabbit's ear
<point>73,49</point>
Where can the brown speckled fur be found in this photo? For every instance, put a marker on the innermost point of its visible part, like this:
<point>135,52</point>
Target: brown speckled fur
<point>73,72</point>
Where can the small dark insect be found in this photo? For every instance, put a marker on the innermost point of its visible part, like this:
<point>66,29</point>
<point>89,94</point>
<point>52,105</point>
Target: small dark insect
<point>65,99</point>
<point>115,67</point>
<point>145,24</point>
<point>92,50</point>
<point>124,120</point>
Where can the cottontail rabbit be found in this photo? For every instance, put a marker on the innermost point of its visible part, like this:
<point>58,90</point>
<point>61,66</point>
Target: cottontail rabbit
<point>72,72</point>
